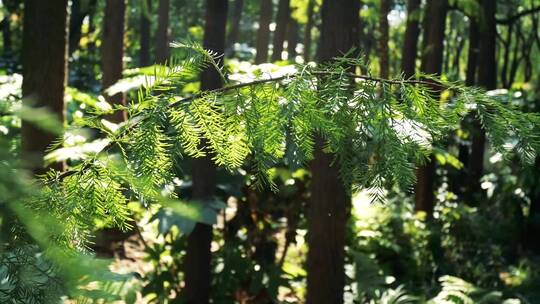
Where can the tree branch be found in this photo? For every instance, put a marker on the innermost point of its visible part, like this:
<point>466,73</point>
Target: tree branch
<point>514,18</point>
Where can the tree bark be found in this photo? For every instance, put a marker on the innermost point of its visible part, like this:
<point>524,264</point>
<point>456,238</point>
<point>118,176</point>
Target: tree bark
<point>6,35</point>
<point>197,263</point>
<point>472,57</point>
<point>144,52</point>
<point>292,39</point>
<point>112,52</point>
<point>432,60</point>
<point>282,20</point>
<point>45,36</point>
<point>410,45</point>
<point>329,202</point>
<point>487,78</point>
<point>307,30</point>
<point>234,32</point>
<point>162,33</point>
<point>383,38</point>
<point>263,33</point>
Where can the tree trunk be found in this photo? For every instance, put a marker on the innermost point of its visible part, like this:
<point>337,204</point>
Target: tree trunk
<point>112,52</point>
<point>410,45</point>
<point>472,53</point>
<point>282,20</point>
<point>79,11</point>
<point>292,39</point>
<point>234,32</point>
<point>263,33</point>
<point>432,59</point>
<point>44,36</point>
<point>329,201</point>
<point>144,52</point>
<point>307,30</point>
<point>6,35</point>
<point>162,33</point>
<point>383,38</point>
<point>487,78</point>
<point>197,262</point>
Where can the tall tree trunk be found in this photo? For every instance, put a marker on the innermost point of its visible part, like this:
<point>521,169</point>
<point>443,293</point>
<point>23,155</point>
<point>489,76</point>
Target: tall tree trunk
<point>292,39</point>
<point>307,30</point>
<point>383,38</point>
<point>329,201</point>
<point>44,37</point>
<point>144,52</point>
<point>234,32</point>
<point>282,20</point>
<point>6,35</point>
<point>79,11</point>
<point>197,262</point>
<point>432,59</point>
<point>112,52</point>
<point>410,45</point>
<point>487,78</point>
<point>263,33</point>
<point>162,33</point>
<point>472,57</point>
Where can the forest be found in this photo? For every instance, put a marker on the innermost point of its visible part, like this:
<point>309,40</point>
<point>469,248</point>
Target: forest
<point>270,151</point>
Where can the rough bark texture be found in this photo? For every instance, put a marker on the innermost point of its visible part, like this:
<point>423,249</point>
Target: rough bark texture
<point>263,33</point>
<point>234,32</point>
<point>307,30</point>
<point>410,45</point>
<point>292,39</point>
<point>383,38</point>
<point>44,36</point>
<point>112,51</point>
<point>432,59</point>
<point>329,203</point>
<point>487,78</point>
<point>197,262</point>
<point>282,20</point>
<point>162,33</point>
<point>144,52</point>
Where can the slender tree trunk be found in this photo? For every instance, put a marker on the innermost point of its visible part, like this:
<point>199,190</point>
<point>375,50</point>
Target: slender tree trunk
<point>263,33</point>
<point>487,78</point>
<point>383,38</point>
<point>197,262</point>
<point>412,32</point>
<point>162,33</point>
<point>292,39</point>
<point>234,32</point>
<point>6,35</point>
<point>79,11</point>
<point>144,52</point>
<point>472,57</point>
<point>307,30</point>
<point>432,60</point>
<point>112,51</point>
<point>329,202</point>
<point>282,20</point>
<point>45,36</point>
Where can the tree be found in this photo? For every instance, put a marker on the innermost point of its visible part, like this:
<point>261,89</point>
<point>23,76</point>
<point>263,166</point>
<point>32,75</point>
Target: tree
<point>144,52</point>
<point>383,39</point>
<point>433,46</point>
<point>487,78</point>
<point>79,11</point>
<point>197,263</point>
<point>307,30</point>
<point>292,39</point>
<point>112,51</point>
<point>5,24</point>
<point>330,200</point>
<point>162,33</point>
<point>263,33</point>
<point>410,45</point>
<point>234,32</point>
<point>44,36</point>
<point>282,20</point>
